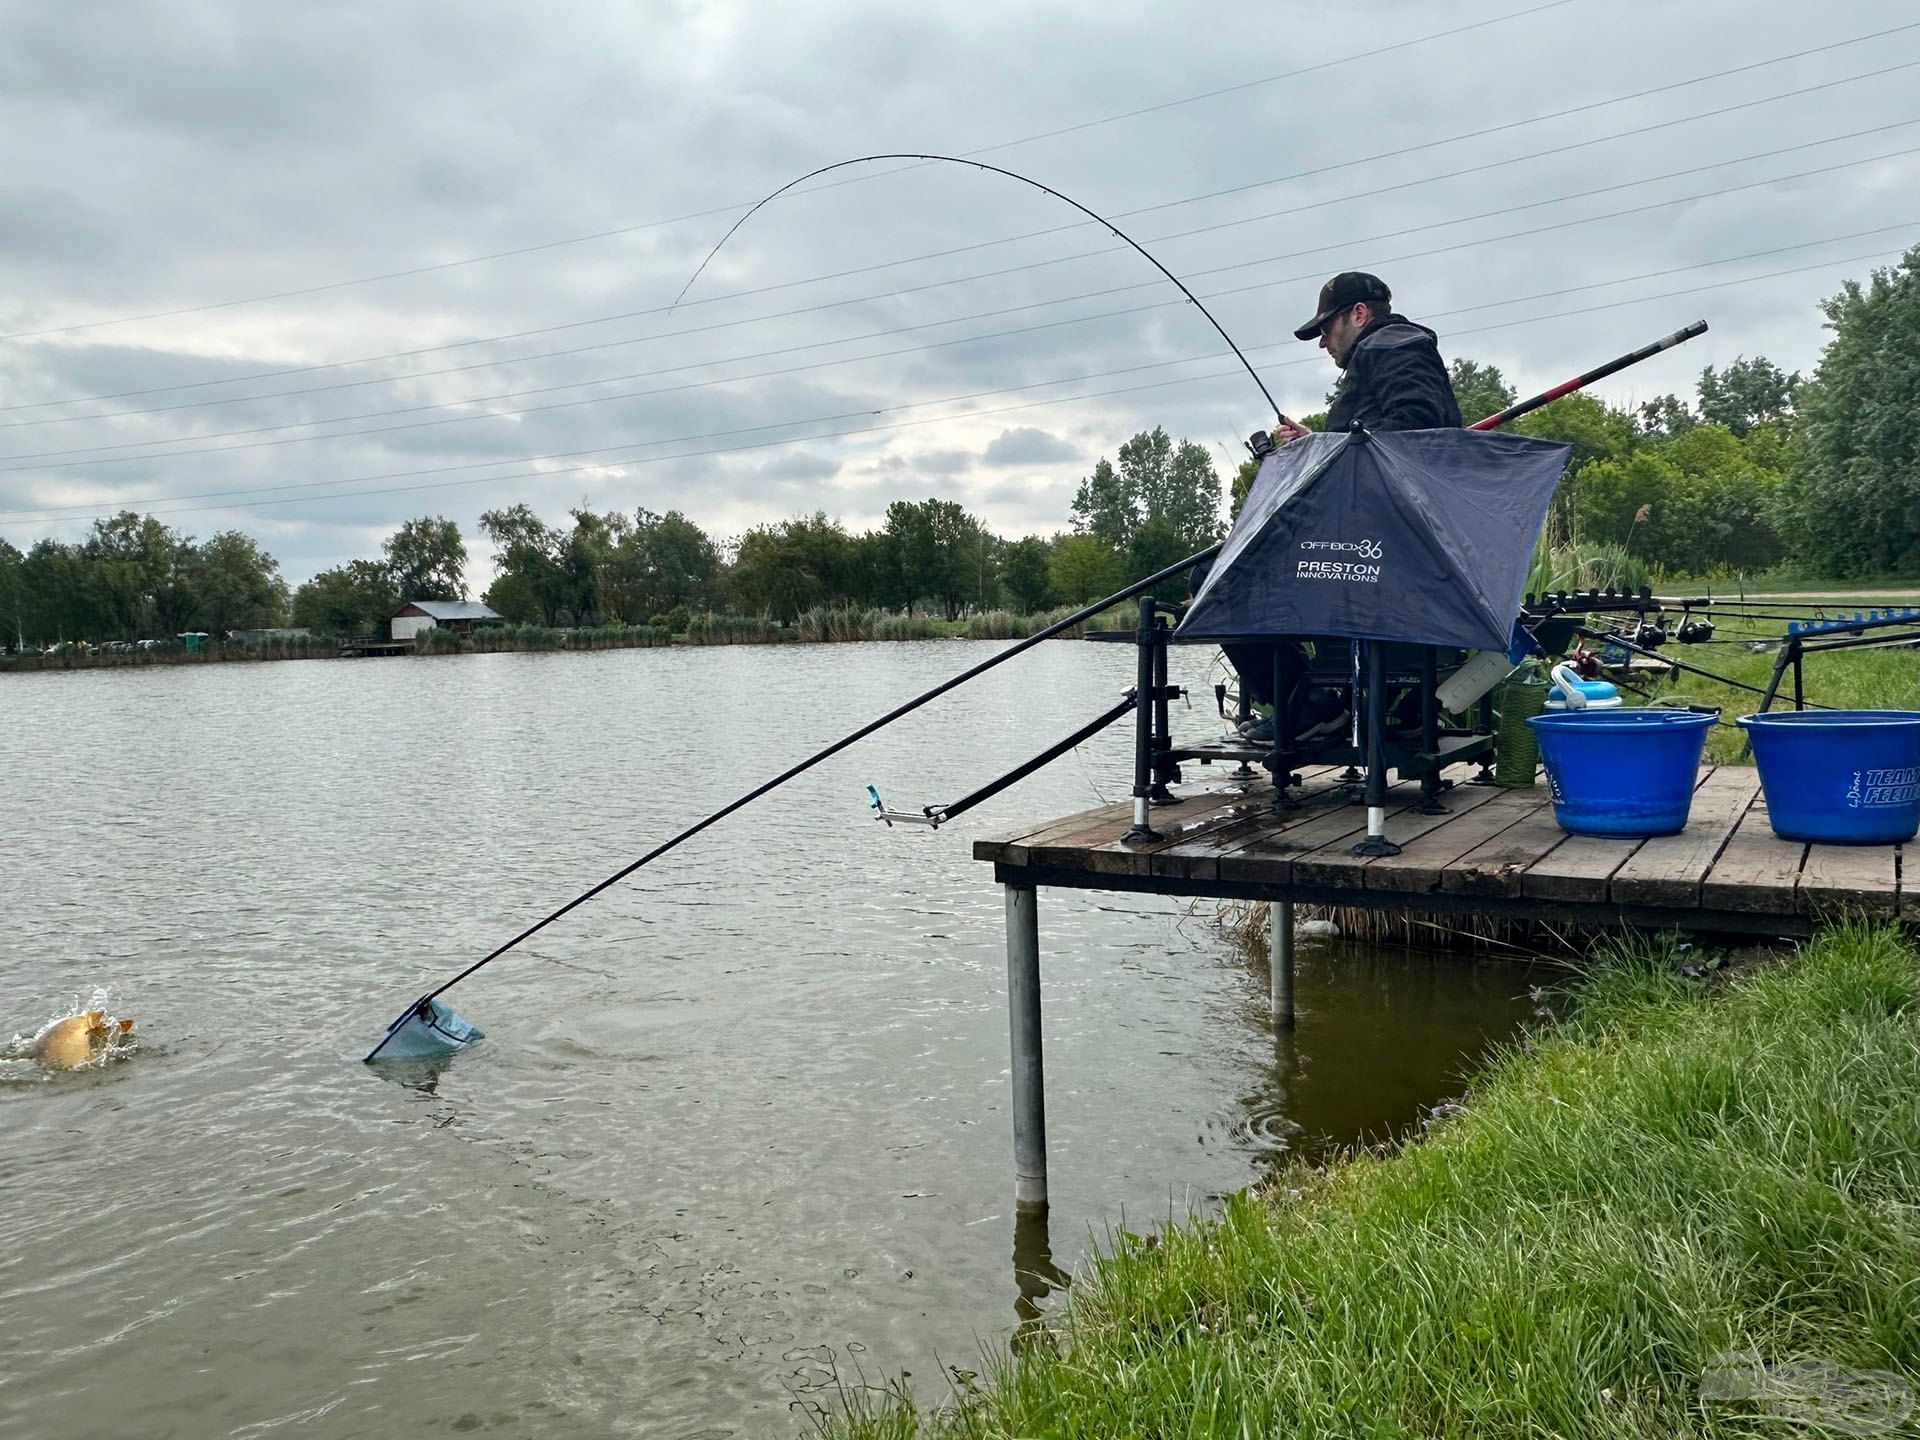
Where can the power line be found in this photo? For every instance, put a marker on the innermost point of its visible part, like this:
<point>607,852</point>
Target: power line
<point>608,453</point>
<point>1120,215</point>
<point>831,185</point>
<point>859,359</point>
<point>638,340</point>
<point>47,460</point>
<point>934,285</point>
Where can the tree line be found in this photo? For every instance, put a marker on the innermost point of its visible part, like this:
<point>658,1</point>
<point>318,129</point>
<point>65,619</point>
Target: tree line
<point>1757,469</point>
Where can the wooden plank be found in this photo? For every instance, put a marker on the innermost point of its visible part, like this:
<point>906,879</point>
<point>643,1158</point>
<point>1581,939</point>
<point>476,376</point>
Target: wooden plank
<point>1010,845</point>
<point>1418,868</point>
<point>1757,870</point>
<point>1120,857</point>
<point>1198,857</point>
<point>1336,864</point>
<point>1499,866</point>
<point>1667,870</point>
<point>1581,867</point>
<point>1841,878</point>
<point>1268,857</point>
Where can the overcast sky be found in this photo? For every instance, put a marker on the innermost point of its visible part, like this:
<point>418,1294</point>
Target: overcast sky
<point>166,168</point>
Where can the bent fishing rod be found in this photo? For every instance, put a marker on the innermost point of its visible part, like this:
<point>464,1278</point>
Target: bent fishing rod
<point>422,1007</point>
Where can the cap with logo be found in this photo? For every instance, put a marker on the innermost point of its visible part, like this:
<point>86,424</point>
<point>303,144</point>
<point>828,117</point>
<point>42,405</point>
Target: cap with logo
<point>1349,287</point>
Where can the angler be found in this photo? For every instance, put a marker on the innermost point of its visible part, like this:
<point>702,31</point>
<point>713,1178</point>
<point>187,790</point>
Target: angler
<point>1392,376</point>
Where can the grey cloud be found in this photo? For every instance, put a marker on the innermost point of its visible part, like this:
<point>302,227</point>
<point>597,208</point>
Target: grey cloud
<point>1028,446</point>
<point>157,162</point>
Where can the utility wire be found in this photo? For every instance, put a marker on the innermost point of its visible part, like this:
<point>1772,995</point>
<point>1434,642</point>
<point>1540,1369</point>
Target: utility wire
<point>614,456</point>
<point>1119,215</point>
<point>740,205</point>
<point>822,364</point>
<point>416,375</point>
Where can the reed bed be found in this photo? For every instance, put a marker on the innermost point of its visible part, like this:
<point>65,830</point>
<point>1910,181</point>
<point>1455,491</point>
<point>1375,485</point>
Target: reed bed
<point>707,628</point>
<point>1245,924</point>
<point>172,652</point>
<point>1690,1166</point>
<point>827,624</point>
<point>496,639</point>
<point>1006,625</point>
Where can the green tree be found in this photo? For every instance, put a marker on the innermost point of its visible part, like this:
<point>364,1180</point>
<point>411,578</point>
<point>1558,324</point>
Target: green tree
<point>236,585</point>
<point>428,559</point>
<point>786,569</point>
<point>1596,432</point>
<point>59,598</point>
<point>1480,390</point>
<point>530,576</point>
<point>1665,415</point>
<point>140,570</point>
<point>1023,574</point>
<point>13,566</point>
<point>1850,504</point>
<point>1746,395</point>
<point>1106,506</point>
<point>1173,487</point>
<point>1085,567</point>
<point>674,562</point>
<point>357,598</point>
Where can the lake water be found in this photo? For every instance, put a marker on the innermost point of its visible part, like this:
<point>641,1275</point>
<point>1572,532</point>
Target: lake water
<point>741,1123</point>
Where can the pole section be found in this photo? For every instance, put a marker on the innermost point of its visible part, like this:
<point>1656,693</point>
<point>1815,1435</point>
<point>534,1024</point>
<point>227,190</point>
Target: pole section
<point>1029,1079</point>
<point>1599,372</point>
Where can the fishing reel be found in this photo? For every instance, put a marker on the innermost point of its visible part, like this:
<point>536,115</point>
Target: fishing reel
<point>1260,445</point>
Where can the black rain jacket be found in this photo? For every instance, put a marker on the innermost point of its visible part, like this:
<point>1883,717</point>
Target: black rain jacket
<point>1395,380</point>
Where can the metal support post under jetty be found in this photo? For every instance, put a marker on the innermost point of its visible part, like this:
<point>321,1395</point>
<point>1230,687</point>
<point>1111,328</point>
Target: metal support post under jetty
<point>1143,832</point>
<point>1280,960</point>
<point>1029,1078</point>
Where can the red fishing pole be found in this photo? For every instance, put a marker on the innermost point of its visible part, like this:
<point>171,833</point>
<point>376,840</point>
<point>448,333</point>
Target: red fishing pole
<point>1580,382</point>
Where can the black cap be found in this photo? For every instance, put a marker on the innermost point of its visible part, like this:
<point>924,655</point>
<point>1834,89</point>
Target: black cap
<point>1349,287</point>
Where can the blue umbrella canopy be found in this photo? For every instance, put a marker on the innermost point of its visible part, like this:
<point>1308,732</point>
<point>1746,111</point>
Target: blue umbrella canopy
<point>1421,536</point>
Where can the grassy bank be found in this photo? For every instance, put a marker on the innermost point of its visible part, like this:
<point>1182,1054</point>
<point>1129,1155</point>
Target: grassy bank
<point>1682,1169</point>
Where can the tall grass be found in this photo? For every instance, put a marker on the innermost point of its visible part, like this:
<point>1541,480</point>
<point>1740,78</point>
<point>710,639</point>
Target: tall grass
<point>173,652</point>
<point>494,639</point>
<point>1681,1170</point>
<point>824,623</point>
<point>707,628</point>
<point>1587,565</point>
<point>1005,625</point>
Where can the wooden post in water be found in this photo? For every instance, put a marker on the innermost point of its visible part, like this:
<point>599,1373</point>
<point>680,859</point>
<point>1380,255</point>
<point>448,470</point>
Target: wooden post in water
<point>1280,961</point>
<point>1029,1080</point>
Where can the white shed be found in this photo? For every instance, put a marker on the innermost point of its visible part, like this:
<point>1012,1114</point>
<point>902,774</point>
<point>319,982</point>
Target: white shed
<point>462,615</point>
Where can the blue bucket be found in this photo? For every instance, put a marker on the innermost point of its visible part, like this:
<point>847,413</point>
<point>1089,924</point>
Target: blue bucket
<point>1621,772</point>
<point>1840,777</point>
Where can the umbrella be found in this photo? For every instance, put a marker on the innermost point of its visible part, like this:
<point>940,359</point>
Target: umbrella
<point>1421,536</point>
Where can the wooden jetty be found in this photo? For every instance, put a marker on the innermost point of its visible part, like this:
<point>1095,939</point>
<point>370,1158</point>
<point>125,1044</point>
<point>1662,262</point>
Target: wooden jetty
<point>1494,853</point>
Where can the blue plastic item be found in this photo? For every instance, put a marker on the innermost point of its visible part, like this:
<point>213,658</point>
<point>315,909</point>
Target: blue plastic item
<point>1621,772</point>
<point>1599,695</point>
<point>1839,777</point>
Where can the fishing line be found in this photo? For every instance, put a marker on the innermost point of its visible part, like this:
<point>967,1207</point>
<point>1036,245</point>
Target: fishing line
<point>1097,218</point>
<point>423,1008</point>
